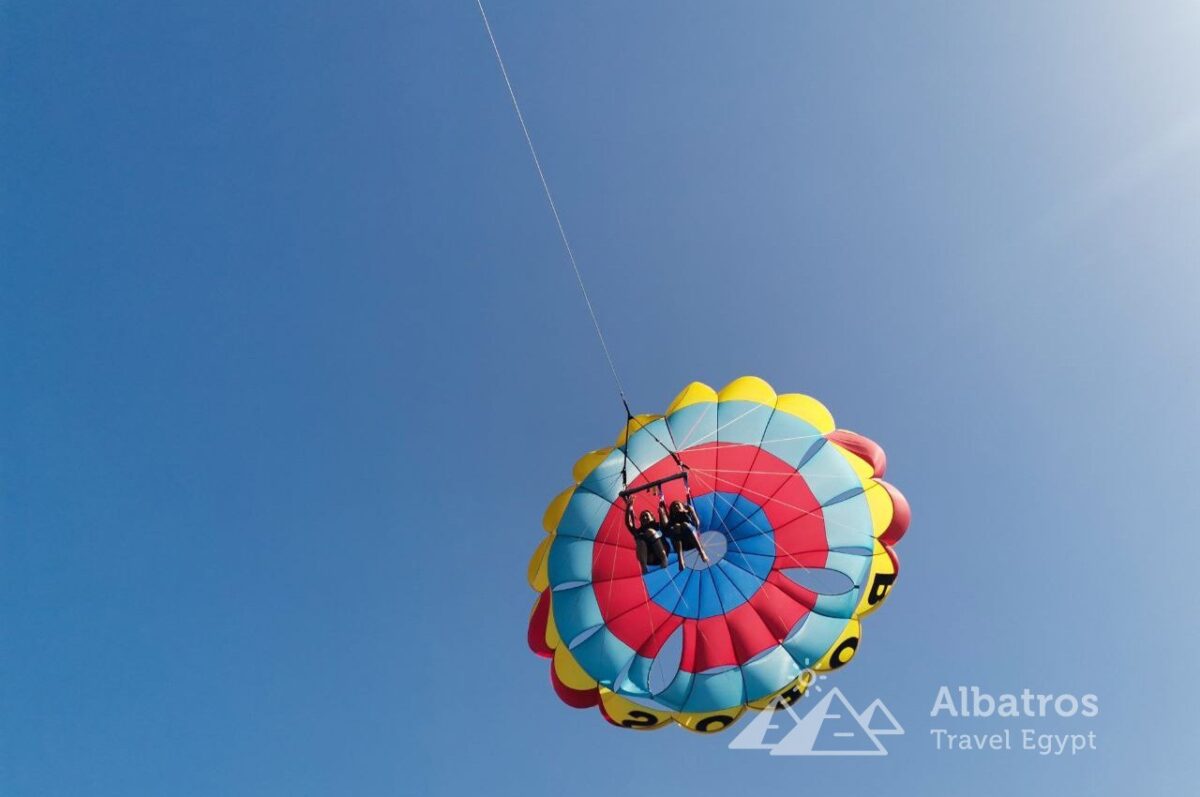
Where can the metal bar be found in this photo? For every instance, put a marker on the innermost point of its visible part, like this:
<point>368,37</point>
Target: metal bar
<point>651,485</point>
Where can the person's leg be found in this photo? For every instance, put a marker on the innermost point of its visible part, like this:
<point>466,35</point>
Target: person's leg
<point>661,552</point>
<point>683,533</point>
<point>699,545</point>
<point>641,555</point>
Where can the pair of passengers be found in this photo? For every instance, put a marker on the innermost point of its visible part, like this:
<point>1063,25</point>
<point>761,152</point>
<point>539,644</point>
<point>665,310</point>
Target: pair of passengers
<point>676,527</point>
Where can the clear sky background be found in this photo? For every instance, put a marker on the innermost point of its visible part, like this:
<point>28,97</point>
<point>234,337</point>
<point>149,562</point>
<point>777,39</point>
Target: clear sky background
<point>293,361</point>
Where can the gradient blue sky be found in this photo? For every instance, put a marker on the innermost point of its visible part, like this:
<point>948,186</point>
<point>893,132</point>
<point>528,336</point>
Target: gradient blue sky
<point>292,362</point>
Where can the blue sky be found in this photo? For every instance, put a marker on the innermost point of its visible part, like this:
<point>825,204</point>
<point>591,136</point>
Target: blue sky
<point>292,362</point>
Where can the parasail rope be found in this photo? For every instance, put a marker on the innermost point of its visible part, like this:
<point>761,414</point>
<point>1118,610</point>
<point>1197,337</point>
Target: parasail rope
<point>554,209</point>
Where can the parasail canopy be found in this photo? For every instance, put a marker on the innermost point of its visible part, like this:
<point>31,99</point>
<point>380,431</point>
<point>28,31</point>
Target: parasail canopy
<point>798,525</point>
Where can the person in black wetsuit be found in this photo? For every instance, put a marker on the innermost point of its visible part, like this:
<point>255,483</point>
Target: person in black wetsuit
<point>648,532</point>
<point>682,528</point>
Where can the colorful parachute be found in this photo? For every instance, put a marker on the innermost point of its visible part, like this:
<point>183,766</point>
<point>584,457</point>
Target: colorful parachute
<point>799,529</point>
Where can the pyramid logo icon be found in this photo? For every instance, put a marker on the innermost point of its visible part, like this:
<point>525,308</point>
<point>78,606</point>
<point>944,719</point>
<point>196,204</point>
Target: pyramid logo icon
<point>831,727</point>
<point>880,721</point>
